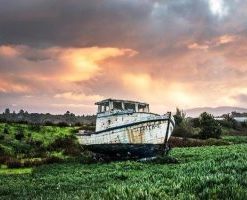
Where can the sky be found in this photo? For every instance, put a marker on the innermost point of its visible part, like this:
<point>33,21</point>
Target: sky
<point>59,55</point>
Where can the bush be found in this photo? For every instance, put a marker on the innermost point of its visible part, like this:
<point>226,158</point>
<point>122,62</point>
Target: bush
<point>1,150</point>
<point>78,124</point>
<point>1,136</point>
<point>52,159</point>
<point>6,130</point>
<point>68,144</point>
<point>19,135</point>
<point>35,162</point>
<point>3,159</point>
<point>210,128</point>
<point>21,147</point>
<point>13,163</point>
<point>179,117</point>
<point>195,122</point>
<point>35,127</point>
<point>87,157</point>
<point>48,123</point>
<point>181,132</point>
<point>180,142</point>
<point>244,124</point>
<point>62,124</point>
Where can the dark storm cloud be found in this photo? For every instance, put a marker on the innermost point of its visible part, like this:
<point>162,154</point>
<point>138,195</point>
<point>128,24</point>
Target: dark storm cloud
<point>123,23</point>
<point>76,23</point>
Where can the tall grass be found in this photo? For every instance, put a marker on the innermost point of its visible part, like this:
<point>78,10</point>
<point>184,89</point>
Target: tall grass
<point>202,173</point>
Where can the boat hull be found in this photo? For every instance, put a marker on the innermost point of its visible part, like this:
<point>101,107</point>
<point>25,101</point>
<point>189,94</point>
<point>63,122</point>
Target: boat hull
<point>126,151</point>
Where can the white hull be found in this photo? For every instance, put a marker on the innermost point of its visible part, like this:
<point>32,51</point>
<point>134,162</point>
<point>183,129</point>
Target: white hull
<point>140,132</point>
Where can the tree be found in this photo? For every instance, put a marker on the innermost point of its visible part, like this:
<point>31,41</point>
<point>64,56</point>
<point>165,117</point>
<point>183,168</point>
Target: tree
<point>7,111</point>
<point>67,113</point>
<point>21,112</point>
<point>195,122</point>
<point>210,128</point>
<point>179,116</point>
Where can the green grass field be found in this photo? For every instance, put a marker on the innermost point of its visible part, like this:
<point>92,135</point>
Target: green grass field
<point>202,173</point>
<point>31,141</point>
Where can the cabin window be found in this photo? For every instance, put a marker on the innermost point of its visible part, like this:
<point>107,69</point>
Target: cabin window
<point>107,108</point>
<point>141,108</point>
<point>104,107</point>
<point>117,105</point>
<point>129,106</point>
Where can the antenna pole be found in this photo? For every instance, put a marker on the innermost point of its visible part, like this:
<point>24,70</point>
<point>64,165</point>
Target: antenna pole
<point>166,148</point>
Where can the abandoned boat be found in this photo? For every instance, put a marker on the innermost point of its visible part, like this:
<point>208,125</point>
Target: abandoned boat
<point>127,128</point>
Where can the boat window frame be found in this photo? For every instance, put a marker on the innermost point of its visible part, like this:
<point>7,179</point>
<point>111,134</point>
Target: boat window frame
<point>128,103</point>
<point>105,107</point>
<point>120,106</point>
<point>141,108</point>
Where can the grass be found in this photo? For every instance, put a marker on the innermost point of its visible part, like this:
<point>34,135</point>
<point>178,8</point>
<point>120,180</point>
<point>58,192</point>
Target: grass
<point>235,139</point>
<point>202,173</point>
<point>6,171</point>
<point>35,140</point>
<point>44,134</point>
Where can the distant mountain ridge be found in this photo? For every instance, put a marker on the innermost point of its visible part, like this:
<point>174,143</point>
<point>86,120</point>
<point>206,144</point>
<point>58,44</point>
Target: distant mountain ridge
<point>216,111</point>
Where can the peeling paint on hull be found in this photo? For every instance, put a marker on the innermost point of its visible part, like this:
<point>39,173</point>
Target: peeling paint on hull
<point>148,132</point>
<point>141,140</point>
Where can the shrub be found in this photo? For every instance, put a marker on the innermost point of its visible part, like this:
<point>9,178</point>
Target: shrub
<point>13,163</point>
<point>19,135</point>
<point>48,123</point>
<point>180,142</point>
<point>195,122</point>
<point>244,124</point>
<point>3,159</point>
<point>28,163</point>
<point>62,124</point>
<point>52,159</point>
<point>35,162</point>
<point>87,157</point>
<point>210,128</point>
<point>68,144</point>
<point>78,124</point>
<point>1,136</point>
<point>179,117</point>
<point>21,147</point>
<point>6,130</point>
<point>35,127</point>
<point>181,132</point>
<point>1,150</point>
<point>88,127</point>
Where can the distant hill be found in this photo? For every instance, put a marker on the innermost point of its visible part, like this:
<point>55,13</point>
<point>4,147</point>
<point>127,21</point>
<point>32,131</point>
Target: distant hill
<point>216,111</point>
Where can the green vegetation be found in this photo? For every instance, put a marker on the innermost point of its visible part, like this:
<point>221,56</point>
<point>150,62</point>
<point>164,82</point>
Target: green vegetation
<point>202,173</point>
<point>67,119</point>
<point>210,128</point>
<point>24,145</point>
<point>235,139</point>
<point>206,126</point>
<point>46,162</point>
